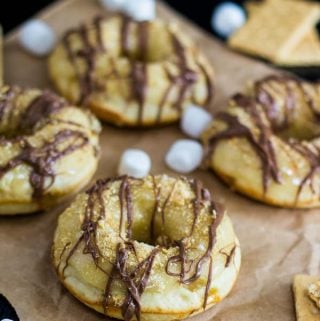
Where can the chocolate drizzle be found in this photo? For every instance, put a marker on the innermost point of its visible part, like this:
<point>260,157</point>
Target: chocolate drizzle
<point>41,159</point>
<point>88,53</point>
<point>276,95</point>
<point>42,107</point>
<point>126,22</point>
<point>312,153</point>
<point>139,76</point>
<point>139,86</point>
<point>187,77</point>
<point>229,255</point>
<point>261,144</point>
<point>135,279</point>
<point>126,202</point>
<point>138,60</point>
<point>282,86</point>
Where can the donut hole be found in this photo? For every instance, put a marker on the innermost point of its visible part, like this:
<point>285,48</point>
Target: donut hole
<point>151,46</point>
<point>170,222</point>
<point>291,106</point>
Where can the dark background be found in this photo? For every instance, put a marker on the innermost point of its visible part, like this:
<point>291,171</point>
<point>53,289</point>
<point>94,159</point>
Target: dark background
<point>200,11</point>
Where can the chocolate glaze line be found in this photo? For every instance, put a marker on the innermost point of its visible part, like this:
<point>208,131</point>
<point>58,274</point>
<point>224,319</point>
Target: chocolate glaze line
<point>42,158</point>
<point>212,231</point>
<point>88,54</point>
<point>229,256</point>
<point>138,75</point>
<point>131,305</point>
<point>125,200</point>
<point>163,212</point>
<point>89,224</point>
<point>72,57</point>
<point>41,107</point>
<point>312,154</point>
<point>143,40</point>
<point>139,78</point>
<point>125,28</point>
<point>165,95</point>
<point>181,258</point>
<point>267,153</point>
<point>187,77</point>
<point>263,146</point>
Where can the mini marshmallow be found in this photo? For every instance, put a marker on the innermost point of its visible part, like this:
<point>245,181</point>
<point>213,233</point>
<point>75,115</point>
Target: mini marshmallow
<point>135,163</point>
<point>195,120</point>
<point>184,156</point>
<point>227,18</point>
<point>113,5</point>
<point>37,37</point>
<point>141,10</point>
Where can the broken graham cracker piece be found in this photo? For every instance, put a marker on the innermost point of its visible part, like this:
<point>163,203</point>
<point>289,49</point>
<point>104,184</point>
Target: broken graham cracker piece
<point>271,32</point>
<point>307,50</point>
<point>305,53</point>
<point>306,309</point>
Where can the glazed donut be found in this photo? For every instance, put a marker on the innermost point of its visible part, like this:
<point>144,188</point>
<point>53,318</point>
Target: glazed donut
<point>131,73</point>
<point>266,143</point>
<point>48,149</point>
<point>147,249</point>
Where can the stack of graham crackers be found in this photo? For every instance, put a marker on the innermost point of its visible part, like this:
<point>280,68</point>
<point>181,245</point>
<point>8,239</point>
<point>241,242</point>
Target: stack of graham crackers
<point>281,31</point>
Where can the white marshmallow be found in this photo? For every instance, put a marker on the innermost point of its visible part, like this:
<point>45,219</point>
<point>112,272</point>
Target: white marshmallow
<point>195,120</point>
<point>141,10</point>
<point>184,156</point>
<point>135,163</point>
<point>6,320</point>
<point>37,37</point>
<point>113,5</point>
<point>227,18</point>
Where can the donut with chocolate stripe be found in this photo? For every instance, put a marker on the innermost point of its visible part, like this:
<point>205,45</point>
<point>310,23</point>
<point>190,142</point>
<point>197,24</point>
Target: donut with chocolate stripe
<point>48,149</point>
<point>157,248</point>
<point>131,73</point>
<point>266,144</point>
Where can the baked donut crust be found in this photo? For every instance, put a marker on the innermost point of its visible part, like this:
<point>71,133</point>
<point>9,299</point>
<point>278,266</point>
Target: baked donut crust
<point>146,249</point>
<point>131,73</point>
<point>266,144</point>
<point>48,149</point>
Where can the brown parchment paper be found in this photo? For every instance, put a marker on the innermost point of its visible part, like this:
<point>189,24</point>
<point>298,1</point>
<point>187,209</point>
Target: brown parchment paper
<point>276,243</point>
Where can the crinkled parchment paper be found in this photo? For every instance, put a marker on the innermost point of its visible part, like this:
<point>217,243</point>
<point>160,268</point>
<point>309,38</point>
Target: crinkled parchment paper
<point>276,243</point>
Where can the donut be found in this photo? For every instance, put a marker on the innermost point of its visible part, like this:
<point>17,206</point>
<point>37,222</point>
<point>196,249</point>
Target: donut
<point>147,249</point>
<point>131,73</point>
<point>266,143</point>
<point>48,149</point>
